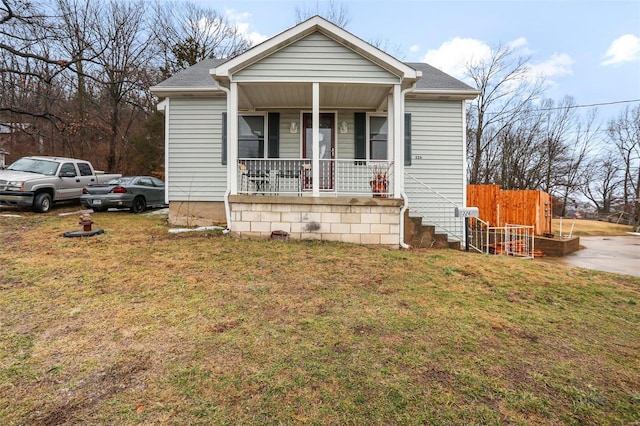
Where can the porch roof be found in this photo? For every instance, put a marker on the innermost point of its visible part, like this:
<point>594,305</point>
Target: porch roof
<point>196,80</point>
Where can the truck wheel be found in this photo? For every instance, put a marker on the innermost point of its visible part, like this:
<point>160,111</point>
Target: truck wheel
<point>139,204</point>
<point>42,203</point>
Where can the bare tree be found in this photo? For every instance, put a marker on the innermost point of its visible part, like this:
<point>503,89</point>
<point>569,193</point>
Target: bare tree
<point>506,92</point>
<point>572,166</point>
<point>78,18</point>
<point>188,33</point>
<point>336,13</point>
<point>602,187</point>
<point>624,133</point>
<point>518,152</point>
<point>123,40</point>
<point>558,122</point>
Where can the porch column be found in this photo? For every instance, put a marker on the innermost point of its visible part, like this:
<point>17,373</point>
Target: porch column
<point>232,137</point>
<point>315,123</point>
<point>397,111</point>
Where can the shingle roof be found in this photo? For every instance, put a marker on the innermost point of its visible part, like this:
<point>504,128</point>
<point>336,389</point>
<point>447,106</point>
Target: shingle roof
<point>198,77</point>
<point>194,77</point>
<point>434,79</point>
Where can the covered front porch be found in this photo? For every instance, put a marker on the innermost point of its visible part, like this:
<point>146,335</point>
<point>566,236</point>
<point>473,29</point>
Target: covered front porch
<point>323,145</point>
<point>315,112</point>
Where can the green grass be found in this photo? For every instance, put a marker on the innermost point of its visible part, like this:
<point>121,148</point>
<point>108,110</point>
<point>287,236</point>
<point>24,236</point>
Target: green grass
<point>139,326</point>
<point>589,228</point>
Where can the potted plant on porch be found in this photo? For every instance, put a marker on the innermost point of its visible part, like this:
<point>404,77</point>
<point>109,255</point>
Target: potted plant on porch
<point>380,182</point>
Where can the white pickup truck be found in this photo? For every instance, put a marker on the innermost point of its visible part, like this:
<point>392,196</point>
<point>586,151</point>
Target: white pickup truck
<point>37,182</point>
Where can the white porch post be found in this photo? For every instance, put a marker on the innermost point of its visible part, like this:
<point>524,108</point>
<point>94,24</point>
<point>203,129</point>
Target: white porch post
<point>396,109</point>
<point>232,137</point>
<point>315,165</point>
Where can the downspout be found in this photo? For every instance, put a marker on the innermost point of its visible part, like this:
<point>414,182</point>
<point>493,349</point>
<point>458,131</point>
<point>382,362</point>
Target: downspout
<point>405,205</point>
<point>163,107</point>
<point>404,208</point>
<point>227,206</point>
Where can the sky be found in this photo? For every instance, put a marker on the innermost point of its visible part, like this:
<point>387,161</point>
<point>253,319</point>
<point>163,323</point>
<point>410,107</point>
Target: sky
<point>589,50</point>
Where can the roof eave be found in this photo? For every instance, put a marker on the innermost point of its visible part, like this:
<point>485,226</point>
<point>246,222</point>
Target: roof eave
<point>448,94</point>
<point>184,91</point>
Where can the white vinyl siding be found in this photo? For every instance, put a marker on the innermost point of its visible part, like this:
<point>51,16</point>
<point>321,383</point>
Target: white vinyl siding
<point>290,143</point>
<point>346,147</point>
<point>437,147</point>
<point>196,172</point>
<point>315,58</point>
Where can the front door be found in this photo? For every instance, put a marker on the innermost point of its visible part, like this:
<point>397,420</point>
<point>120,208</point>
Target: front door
<point>327,148</point>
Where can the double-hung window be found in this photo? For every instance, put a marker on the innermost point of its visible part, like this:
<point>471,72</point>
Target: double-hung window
<point>251,141</point>
<point>378,137</point>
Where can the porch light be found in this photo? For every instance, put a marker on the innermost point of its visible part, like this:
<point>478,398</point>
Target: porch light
<point>293,128</point>
<point>344,127</point>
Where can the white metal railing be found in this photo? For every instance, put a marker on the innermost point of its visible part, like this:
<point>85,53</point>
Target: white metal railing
<point>508,240</point>
<point>434,207</point>
<point>348,177</point>
<point>478,234</point>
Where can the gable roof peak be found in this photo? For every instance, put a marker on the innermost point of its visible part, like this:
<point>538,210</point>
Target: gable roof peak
<point>315,24</point>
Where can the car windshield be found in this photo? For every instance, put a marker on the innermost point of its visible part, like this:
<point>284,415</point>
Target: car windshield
<point>33,165</point>
<point>119,181</point>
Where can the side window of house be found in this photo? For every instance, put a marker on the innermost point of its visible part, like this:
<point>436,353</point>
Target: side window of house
<point>67,170</point>
<point>378,138</point>
<point>374,145</point>
<point>85,169</point>
<point>251,136</point>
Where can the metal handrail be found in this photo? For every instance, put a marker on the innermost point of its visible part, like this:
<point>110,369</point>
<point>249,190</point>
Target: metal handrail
<point>435,208</point>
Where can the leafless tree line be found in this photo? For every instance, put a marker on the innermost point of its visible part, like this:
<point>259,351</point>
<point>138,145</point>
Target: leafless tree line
<point>518,139</point>
<point>75,74</point>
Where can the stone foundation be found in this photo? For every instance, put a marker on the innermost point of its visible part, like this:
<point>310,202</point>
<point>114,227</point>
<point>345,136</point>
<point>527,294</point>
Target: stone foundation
<point>374,221</point>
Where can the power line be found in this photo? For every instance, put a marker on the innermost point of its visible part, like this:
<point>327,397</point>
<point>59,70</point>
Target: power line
<point>562,107</point>
<point>588,105</point>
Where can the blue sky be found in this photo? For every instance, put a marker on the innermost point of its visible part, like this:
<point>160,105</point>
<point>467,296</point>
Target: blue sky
<point>586,49</point>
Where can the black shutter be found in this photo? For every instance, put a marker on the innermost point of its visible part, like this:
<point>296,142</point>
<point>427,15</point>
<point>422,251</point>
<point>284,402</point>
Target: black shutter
<point>224,138</point>
<point>360,134</point>
<point>274,135</point>
<point>407,139</point>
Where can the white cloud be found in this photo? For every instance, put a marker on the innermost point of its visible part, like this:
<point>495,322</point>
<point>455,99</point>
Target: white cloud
<point>415,48</point>
<point>520,42</point>
<point>454,55</point>
<point>623,49</point>
<point>242,22</point>
<point>558,65</point>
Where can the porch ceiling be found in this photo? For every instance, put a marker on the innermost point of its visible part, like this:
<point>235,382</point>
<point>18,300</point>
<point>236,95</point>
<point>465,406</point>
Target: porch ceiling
<point>254,96</point>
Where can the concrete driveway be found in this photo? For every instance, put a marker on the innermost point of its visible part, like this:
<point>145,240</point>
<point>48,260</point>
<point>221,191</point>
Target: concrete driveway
<point>620,255</point>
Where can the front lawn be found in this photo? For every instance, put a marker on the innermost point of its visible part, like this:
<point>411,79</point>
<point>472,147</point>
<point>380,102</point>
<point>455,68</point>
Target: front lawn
<point>139,326</point>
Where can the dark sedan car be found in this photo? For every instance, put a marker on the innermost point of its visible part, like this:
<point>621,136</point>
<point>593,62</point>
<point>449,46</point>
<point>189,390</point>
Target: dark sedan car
<point>133,192</point>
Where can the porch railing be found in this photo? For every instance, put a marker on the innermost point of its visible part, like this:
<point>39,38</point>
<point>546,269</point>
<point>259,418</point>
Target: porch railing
<point>344,177</point>
<point>434,207</point>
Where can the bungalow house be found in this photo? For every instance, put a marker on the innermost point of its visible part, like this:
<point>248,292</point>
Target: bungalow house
<point>317,134</point>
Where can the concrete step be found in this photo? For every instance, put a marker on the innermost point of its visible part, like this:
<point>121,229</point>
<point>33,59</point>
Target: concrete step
<point>424,236</point>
